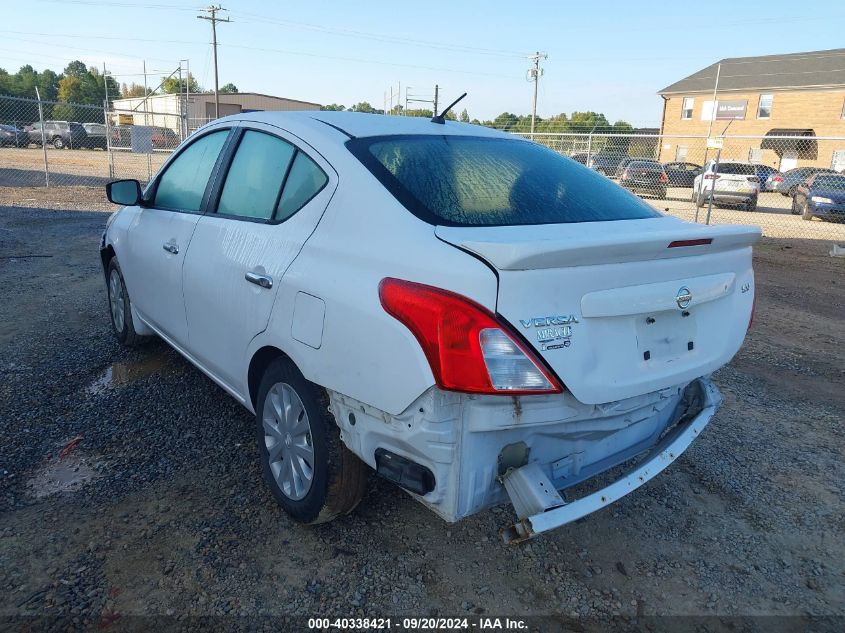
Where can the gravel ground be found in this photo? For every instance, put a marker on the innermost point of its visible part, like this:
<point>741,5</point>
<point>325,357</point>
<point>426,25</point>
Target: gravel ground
<point>157,507</point>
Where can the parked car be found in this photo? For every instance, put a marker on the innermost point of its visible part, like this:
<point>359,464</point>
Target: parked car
<point>121,136</point>
<point>764,175</point>
<point>645,176</point>
<point>59,134</point>
<point>681,174</point>
<point>468,313</point>
<point>581,157</point>
<point>627,161</point>
<point>95,135</point>
<point>13,136</point>
<point>606,162</point>
<point>736,183</point>
<point>165,138</point>
<point>787,182</point>
<point>820,196</point>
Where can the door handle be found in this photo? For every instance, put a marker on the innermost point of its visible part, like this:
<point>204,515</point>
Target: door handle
<point>265,281</point>
<point>171,247</point>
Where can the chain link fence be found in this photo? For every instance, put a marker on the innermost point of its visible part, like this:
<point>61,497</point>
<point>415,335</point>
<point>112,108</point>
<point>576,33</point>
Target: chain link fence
<point>791,185</point>
<point>48,143</point>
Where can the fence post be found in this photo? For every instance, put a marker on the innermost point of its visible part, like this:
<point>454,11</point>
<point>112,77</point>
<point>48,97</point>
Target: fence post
<point>43,139</point>
<point>108,139</point>
<point>589,148</point>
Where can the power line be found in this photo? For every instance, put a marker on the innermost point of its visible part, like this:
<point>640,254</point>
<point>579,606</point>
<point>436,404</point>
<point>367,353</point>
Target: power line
<point>213,9</point>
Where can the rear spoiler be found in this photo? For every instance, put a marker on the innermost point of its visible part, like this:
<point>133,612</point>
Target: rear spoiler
<point>532,247</point>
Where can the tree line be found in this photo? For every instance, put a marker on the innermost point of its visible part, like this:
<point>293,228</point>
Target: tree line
<point>580,122</point>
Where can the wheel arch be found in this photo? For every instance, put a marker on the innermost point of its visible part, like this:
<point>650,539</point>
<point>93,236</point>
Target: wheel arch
<point>106,255</point>
<point>259,362</point>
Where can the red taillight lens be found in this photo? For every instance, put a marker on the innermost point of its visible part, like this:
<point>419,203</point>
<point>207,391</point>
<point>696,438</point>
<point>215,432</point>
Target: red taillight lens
<point>777,179</point>
<point>467,347</point>
<point>711,176</point>
<point>663,179</point>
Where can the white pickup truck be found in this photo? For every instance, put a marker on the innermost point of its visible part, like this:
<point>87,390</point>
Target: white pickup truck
<point>468,313</point>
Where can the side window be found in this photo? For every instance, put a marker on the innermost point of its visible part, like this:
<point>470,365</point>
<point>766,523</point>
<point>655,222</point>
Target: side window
<point>255,176</point>
<point>304,182</point>
<point>182,186</point>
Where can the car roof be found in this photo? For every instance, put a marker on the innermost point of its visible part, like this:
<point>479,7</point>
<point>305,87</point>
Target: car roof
<point>359,124</point>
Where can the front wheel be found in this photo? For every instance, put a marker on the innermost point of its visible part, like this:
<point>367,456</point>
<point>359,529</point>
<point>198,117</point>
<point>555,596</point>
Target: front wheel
<point>805,213</point>
<point>309,470</point>
<point>119,307</point>
<point>58,142</point>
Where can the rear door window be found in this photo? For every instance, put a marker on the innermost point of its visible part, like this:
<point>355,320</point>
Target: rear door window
<point>255,177</point>
<point>304,182</point>
<point>478,181</point>
<point>182,186</point>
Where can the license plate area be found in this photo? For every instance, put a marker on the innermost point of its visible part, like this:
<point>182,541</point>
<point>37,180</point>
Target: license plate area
<point>665,336</point>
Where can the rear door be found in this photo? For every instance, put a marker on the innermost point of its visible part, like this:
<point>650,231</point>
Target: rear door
<point>266,206</point>
<point>159,236</point>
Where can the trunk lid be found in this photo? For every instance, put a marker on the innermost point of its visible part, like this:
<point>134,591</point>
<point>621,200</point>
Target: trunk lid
<point>621,308</point>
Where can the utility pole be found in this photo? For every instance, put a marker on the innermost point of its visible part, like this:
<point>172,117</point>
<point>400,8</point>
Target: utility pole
<point>213,9</point>
<point>436,97</point>
<point>534,74</point>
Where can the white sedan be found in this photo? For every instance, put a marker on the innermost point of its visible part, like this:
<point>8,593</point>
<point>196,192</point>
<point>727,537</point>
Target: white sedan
<point>468,313</point>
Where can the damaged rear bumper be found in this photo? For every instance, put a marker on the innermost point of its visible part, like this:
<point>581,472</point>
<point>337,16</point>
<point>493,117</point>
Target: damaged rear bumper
<point>540,510</point>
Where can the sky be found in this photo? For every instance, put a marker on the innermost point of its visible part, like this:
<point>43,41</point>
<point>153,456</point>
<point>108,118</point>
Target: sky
<point>609,57</point>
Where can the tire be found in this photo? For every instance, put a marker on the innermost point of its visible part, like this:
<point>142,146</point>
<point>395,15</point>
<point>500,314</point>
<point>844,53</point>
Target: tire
<point>805,213</point>
<point>288,440</point>
<point>58,142</point>
<point>751,204</point>
<point>794,210</point>
<point>119,307</point>
<point>700,201</point>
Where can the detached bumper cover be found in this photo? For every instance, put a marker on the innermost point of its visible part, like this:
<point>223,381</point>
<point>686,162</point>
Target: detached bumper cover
<point>664,453</point>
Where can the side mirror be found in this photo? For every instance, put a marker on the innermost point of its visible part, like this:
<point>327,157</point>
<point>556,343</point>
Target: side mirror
<point>125,192</point>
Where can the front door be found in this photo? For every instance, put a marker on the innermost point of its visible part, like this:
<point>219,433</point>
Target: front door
<point>161,233</point>
<point>272,199</point>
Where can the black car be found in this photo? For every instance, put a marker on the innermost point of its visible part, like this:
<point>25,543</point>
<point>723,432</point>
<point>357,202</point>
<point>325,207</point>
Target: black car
<point>627,161</point>
<point>606,162</point>
<point>59,134</point>
<point>95,135</point>
<point>11,136</point>
<point>645,176</point>
<point>580,157</point>
<point>820,196</point>
<point>681,174</point>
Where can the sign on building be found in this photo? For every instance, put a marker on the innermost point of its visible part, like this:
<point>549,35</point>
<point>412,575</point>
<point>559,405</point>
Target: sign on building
<point>725,110</point>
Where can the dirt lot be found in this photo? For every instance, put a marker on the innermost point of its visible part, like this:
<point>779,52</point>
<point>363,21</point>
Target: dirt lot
<point>157,507</point>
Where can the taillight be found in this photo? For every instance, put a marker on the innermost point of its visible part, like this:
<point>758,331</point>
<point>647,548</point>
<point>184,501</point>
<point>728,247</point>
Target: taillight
<point>663,179</point>
<point>625,175</point>
<point>467,347</point>
<point>777,179</point>
<point>711,176</point>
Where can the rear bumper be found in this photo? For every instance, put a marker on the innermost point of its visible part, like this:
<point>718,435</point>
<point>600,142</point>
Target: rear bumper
<point>666,451</point>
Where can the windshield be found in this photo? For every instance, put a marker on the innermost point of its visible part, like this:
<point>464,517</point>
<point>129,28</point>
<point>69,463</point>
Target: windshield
<point>476,181</point>
<point>836,183</point>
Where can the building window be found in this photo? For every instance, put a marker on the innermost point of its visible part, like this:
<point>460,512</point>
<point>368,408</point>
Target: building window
<point>764,110</point>
<point>686,108</point>
<point>681,154</point>
<point>838,162</point>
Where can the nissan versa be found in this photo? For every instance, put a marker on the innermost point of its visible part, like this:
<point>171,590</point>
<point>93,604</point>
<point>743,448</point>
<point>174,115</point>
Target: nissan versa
<point>472,315</point>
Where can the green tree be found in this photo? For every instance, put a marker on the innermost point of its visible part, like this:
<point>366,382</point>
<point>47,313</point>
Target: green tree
<point>229,88</point>
<point>132,90</point>
<point>464,116</point>
<point>364,106</point>
<point>334,107</point>
<point>172,85</point>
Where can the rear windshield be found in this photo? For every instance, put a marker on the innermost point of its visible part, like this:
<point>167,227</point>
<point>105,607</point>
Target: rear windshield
<point>737,168</point>
<point>475,181</point>
<point>641,164</point>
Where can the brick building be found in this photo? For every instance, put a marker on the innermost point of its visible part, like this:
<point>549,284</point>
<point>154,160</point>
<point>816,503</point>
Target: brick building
<point>790,103</point>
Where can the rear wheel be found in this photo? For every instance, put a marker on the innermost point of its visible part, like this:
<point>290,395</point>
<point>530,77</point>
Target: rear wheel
<point>751,204</point>
<point>309,470</point>
<point>58,142</point>
<point>795,210</point>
